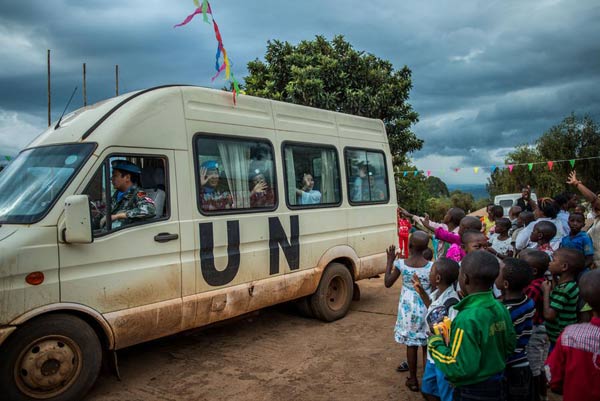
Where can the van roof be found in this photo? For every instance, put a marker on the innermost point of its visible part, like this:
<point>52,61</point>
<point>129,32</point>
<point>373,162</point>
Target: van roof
<point>151,117</point>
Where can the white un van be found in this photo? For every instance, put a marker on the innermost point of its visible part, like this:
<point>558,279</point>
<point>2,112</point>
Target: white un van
<point>509,200</point>
<point>233,208</point>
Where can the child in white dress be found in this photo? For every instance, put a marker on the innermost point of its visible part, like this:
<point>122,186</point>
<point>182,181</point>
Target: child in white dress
<point>411,325</point>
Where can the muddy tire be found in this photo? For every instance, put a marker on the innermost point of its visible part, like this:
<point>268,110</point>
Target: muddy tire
<point>334,294</point>
<point>54,358</point>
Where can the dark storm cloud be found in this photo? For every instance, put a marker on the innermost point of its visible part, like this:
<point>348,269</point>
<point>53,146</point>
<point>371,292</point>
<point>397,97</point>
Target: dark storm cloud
<point>486,75</point>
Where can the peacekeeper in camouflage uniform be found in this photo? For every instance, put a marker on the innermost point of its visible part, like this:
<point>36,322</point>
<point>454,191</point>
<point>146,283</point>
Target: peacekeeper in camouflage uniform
<point>129,203</point>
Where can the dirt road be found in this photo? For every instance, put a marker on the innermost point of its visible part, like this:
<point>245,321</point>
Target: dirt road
<point>275,355</point>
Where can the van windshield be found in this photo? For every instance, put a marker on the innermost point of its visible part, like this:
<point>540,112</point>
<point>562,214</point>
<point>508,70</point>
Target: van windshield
<point>32,182</point>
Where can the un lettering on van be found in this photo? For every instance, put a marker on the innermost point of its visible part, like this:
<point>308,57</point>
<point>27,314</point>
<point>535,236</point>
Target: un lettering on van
<point>277,238</point>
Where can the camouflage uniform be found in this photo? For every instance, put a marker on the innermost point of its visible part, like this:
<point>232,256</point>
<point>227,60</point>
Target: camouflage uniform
<point>135,203</point>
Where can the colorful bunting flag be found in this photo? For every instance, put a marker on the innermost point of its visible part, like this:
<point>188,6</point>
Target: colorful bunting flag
<point>205,10</point>
<point>443,171</point>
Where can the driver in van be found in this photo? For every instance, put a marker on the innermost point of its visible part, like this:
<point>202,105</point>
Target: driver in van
<point>129,203</point>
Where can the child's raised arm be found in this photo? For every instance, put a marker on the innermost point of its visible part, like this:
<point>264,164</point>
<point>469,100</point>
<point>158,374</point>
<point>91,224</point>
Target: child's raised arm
<point>420,290</point>
<point>447,236</point>
<point>391,274</point>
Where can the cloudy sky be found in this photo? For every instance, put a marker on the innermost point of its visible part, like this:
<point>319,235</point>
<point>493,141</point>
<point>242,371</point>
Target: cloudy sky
<point>487,75</point>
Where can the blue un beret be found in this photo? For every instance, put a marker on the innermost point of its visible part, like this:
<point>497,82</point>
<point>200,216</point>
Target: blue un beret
<point>210,165</point>
<point>124,165</point>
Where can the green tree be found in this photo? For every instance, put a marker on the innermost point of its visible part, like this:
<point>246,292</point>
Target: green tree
<point>573,138</point>
<point>335,76</point>
<point>436,187</point>
<point>411,190</point>
<point>437,207</point>
<point>463,200</point>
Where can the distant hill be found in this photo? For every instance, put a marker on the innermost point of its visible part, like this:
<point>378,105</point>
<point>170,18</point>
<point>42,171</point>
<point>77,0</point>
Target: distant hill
<point>477,190</point>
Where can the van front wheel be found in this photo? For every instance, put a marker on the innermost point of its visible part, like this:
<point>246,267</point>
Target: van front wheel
<point>54,357</point>
<point>334,294</point>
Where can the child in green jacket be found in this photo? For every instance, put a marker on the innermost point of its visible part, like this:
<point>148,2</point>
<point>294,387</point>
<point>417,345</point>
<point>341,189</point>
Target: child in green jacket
<point>481,335</point>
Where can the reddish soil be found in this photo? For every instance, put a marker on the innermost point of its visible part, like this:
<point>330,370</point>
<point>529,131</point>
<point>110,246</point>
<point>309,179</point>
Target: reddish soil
<point>273,355</point>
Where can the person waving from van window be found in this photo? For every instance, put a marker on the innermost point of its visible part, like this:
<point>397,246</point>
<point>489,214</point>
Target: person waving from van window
<point>129,203</point>
<point>211,197</point>
<point>307,195</point>
<point>262,194</point>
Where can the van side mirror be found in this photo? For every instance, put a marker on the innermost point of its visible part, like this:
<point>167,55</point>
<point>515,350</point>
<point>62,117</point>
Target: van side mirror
<point>78,220</point>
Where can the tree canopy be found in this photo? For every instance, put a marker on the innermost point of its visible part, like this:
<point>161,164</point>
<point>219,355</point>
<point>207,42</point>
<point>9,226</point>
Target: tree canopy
<point>335,76</point>
<point>573,138</point>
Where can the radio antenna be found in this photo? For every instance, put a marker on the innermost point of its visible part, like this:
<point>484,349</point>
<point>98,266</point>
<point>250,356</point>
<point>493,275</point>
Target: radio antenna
<point>57,126</point>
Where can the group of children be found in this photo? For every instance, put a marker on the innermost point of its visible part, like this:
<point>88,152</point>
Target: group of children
<point>514,312</point>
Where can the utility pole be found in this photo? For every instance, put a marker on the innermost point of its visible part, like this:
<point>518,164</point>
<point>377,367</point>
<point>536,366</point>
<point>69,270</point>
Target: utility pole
<point>117,79</point>
<point>48,63</point>
<point>84,88</point>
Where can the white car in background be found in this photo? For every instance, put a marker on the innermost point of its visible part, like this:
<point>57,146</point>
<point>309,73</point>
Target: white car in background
<point>509,200</point>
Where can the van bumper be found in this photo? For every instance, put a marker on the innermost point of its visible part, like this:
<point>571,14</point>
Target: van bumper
<point>5,331</point>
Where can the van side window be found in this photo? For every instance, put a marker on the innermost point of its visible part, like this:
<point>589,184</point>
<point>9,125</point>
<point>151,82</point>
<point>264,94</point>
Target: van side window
<point>127,190</point>
<point>367,176</point>
<point>234,174</point>
<point>312,175</point>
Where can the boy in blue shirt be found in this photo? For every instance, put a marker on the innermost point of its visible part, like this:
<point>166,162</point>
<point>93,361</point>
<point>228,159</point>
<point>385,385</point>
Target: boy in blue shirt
<point>578,239</point>
<point>515,275</point>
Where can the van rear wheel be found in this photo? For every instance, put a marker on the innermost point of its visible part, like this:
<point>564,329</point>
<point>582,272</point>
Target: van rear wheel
<point>54,357</point>
<point>334,294</point>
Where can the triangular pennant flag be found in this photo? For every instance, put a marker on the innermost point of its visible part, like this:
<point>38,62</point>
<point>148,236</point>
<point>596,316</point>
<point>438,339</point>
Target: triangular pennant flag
<point>530,166</point>
<point>476,169</point>
<point>492,169</point>
<point>510,167</point>
<point>550,164</point>
<point>405,173</point>
<point>572,161</point>
<point>428,173</point>
<point>416,172</point>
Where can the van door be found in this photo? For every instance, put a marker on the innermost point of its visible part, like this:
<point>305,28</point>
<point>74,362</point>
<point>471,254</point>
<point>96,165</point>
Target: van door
<point>133,263</point>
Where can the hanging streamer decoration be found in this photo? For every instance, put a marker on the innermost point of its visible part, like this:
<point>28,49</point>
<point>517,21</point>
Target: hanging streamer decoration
<point>225,65</point>
<point>492,168</point>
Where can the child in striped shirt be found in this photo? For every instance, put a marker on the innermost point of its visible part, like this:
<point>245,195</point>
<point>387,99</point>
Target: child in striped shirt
<point>515,275</point>
<point>562,294</point>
